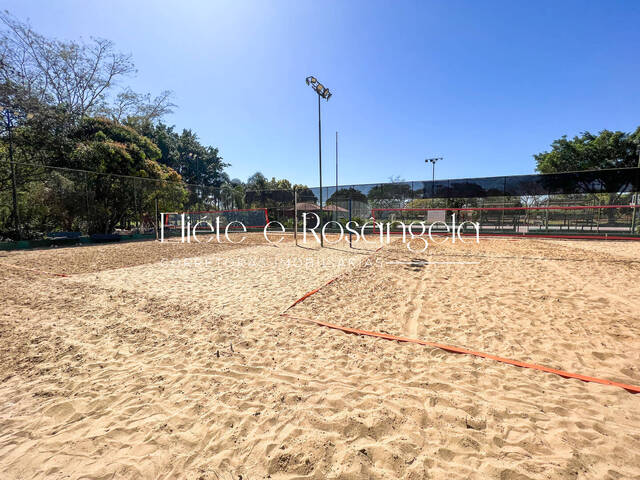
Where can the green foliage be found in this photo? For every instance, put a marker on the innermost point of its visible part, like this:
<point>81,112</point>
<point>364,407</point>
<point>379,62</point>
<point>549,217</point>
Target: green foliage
<point>232,195</point>
<point>443,202</point>
<point>55,123</point>
<point>107,147</point>
<point>259,192</point>
<point>98,202</point>
<point>305,194</point>
<point>591,152</point>
<point>344,194</point>
<point>390,195</point>
<point>196,163</point>
<point>125,149</point>
<point>258,181</point>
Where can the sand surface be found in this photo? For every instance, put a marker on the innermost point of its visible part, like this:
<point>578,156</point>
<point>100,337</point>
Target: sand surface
<point>172,361</point>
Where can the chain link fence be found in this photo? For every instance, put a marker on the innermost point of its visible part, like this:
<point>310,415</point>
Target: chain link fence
<point>47,202</point>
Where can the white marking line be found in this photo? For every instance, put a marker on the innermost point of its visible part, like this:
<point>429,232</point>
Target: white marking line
<point>432,263</point>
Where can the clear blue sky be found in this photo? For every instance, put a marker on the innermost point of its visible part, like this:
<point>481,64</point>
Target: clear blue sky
<point>485,84</point>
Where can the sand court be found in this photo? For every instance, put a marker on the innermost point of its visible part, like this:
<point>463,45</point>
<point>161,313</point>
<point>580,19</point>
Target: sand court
<point>527,300</point>
<point>158,362</point>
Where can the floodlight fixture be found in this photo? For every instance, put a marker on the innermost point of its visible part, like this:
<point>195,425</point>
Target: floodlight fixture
<point>323,92</point>
<point>433,171</point>
<point>320,89</point>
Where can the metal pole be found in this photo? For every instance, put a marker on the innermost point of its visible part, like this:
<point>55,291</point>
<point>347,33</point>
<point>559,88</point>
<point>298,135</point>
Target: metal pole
<point>320,165</point>
<point>336,193</point>
<point>433,177</point>
<point>546,215</point>
<point>16,214</point>
<point>135,204</point>
<point>350,204</point>
<point>156,219</point>
<point>295,215</point>
<point>86,198</point>
<point>336,161</point>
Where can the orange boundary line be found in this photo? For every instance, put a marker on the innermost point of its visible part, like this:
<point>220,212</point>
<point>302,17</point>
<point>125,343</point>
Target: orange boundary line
<point>34,270</point>
<point>450,348</point>
<point>316,290</point>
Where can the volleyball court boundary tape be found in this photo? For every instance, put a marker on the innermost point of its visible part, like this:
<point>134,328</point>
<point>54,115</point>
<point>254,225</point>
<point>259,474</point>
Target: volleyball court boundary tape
<point>448,348</point>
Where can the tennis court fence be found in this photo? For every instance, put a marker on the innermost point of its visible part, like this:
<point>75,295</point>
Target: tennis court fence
<point>38,201</point>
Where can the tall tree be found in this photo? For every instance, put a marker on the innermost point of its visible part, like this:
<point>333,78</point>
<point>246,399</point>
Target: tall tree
<point>257,181</point>
<point>197,164</point>
<point>116,150</point>
<point>78,75</point>
<point>590,152</point>
<point>344,194</point>
<point>134,108</point>
<point>390,195</point>
<point>594,152</point>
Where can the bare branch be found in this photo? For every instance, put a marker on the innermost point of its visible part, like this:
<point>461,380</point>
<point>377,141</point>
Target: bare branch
<point>75,74</point>
<point>131,106</point>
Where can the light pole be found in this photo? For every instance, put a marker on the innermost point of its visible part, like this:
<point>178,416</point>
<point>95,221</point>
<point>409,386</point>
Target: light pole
<point>336,193</point>
<point>433,172</point>
<point>336,161</point>
<point>323,92</point>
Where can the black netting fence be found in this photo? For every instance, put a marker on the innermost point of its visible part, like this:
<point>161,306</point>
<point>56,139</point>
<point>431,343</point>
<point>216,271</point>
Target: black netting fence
<point>554,220</point>
<point>47,202</point>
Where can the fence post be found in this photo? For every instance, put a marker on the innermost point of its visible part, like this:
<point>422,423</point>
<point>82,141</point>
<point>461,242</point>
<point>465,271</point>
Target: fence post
<point>14,194</point>
<point>295,215</point>
<point>546,215</point>
<point>350,203</point>
<point>86,200</point>
<point>135,203</point>
<point>155,218</point>
<point>634,201</point>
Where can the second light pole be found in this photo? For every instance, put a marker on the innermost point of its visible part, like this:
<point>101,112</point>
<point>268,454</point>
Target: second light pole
<point>323,92</point>
<point>433,172</point>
